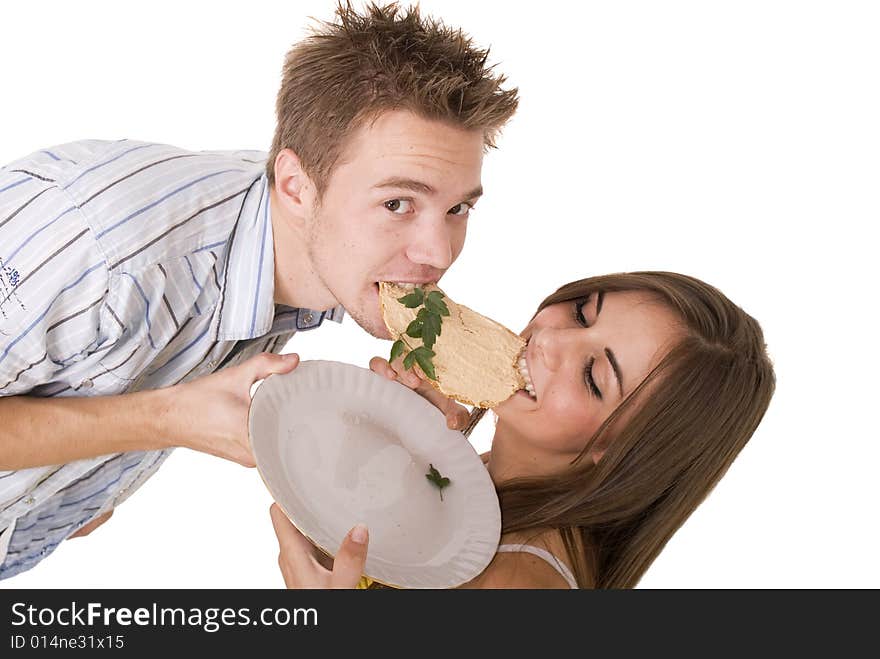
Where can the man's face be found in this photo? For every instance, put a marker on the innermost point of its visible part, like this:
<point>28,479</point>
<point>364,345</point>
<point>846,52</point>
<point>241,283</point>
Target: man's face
<point>395,208</point>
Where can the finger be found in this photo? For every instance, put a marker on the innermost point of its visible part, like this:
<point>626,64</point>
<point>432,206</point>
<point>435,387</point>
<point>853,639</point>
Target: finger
<point>457,417</point>
<point>266,363</point>
<point>448,406</point>
<point>291,543</point>
<point>350,560</point>
<point>296,555</point>
<point>91,526</point>
<point>285,531</point>
<point>405,375</point>
<point>382,367</point>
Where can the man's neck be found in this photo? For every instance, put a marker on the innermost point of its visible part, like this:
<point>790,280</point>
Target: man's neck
<point>297,284</point>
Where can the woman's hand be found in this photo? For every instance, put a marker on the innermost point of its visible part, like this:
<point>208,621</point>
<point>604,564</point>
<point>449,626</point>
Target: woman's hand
<point>457,415</point>
<point>299,559</point>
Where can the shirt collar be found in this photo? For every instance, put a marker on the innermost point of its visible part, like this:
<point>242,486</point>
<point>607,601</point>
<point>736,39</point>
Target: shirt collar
<point>247,308</point>
<point>292,319</point>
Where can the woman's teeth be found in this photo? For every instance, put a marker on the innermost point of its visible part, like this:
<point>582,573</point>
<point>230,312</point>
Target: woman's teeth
<point>524,371</point>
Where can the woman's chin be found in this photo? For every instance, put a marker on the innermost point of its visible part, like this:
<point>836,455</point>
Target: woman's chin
<point>511,405</point>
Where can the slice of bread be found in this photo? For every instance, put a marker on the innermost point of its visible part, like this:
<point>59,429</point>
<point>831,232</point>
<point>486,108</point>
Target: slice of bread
<point>476,359</point>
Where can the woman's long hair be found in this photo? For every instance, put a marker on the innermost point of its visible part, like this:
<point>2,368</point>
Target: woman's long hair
<point>689,419</point>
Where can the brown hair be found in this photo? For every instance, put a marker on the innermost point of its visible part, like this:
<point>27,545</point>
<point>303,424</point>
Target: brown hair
<point>348,72</point>
<point>712,390</point>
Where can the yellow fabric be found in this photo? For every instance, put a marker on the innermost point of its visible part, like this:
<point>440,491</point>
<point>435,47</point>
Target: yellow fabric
<point>370,584</point>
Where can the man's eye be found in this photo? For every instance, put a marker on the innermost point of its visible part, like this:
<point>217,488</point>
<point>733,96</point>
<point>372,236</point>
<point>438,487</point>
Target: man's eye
<point>398,206</point>
<point>460,209</point>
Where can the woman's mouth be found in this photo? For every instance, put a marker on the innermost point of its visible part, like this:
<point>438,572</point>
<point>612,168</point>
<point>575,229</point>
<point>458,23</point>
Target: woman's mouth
<point>524,371</point>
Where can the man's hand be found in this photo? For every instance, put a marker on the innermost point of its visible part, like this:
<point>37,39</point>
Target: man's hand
<point>91,526</point>
<point>457,415</point>
<point>210,414</point>
<point>300,562</point>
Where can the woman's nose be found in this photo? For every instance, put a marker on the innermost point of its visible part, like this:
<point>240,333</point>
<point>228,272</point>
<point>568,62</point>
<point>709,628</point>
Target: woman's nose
<point>550,345</point>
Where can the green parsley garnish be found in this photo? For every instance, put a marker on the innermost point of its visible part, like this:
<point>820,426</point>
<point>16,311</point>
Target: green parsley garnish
<point>438,480</point>
<point>426,326</point>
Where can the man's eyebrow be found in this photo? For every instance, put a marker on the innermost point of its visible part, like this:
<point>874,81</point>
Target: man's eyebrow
<point>406,184</point>
<point>616,368</point>
<point>419,186</point>
<point>475,193</point>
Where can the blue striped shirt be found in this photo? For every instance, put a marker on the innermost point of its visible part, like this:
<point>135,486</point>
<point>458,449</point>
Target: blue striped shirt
<point>125,266</point>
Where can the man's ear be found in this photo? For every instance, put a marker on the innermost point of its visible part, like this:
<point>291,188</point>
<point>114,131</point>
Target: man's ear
<point>294,189</point>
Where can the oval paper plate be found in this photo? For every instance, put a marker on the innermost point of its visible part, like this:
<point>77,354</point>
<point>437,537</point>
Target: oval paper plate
<point>337,444</point>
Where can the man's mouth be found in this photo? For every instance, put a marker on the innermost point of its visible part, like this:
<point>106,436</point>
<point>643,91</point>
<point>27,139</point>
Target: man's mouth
<point>407,283</point>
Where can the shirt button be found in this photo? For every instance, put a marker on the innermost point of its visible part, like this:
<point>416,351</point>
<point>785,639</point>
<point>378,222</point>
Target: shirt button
<point>308,318</point>
<point>86,384</point>
<point>212,365</point>
<point>30,501</point>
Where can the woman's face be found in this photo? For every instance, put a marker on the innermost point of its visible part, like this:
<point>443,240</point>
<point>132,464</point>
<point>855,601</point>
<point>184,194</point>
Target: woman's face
<point>583,358</point>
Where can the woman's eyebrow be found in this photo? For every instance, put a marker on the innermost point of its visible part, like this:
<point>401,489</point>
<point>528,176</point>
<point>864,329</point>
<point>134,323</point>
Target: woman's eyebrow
<point>600,297</point>
<point>616,368</point>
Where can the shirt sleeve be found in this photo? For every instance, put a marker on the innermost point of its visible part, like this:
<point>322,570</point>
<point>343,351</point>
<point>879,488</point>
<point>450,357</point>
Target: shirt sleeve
<point>53,283</point>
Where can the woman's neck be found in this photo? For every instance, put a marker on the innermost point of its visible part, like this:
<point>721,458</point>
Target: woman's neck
<point>513,457</point>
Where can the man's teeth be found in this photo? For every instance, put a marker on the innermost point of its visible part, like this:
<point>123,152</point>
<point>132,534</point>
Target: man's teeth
<point>524,371</point>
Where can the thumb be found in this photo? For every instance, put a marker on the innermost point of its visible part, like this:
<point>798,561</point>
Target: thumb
<point>267,363</point>
<point>350,560</point>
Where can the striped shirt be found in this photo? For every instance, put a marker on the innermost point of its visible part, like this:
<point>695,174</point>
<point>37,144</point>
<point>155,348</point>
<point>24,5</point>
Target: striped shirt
<point>125,266</point>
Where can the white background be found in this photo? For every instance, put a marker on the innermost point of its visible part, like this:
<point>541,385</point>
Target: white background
<point>738,142</point>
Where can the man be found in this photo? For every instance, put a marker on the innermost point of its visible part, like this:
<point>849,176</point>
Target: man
<point>144,288</point>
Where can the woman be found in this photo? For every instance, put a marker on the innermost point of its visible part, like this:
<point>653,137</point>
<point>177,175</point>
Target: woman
<point>647,386</point>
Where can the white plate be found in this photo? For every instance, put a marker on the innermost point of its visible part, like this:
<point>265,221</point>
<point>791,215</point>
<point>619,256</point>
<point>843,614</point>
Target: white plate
<point>337,444</point>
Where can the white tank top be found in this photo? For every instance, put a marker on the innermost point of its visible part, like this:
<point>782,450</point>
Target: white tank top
<point>561,567</point>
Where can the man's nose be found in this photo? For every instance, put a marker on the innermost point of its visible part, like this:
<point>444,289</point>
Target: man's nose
<point>431,244</point>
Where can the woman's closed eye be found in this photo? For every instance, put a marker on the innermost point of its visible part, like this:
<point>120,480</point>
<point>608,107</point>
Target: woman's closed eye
<point>581,320</point>
<point>578,308</point>
<point>588,378</point>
